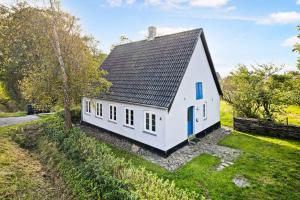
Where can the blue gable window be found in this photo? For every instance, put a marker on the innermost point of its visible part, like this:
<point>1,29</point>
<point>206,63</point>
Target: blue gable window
<point>199,93</point>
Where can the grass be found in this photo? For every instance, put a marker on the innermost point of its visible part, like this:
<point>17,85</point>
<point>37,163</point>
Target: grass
<point>271,166</point>
<point>22,176</point>
<point>292,112</point>
<point>226,114</point>
<point>12,114</point>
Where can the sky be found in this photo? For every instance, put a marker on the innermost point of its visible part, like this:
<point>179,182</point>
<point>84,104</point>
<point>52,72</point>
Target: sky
<point>237,31</point>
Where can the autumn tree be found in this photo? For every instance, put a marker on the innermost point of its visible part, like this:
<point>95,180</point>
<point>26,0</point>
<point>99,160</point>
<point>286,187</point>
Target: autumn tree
<point>18,45</point>
<point>62,65</point>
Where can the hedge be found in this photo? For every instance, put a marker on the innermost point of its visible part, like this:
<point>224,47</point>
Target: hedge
<point>92,171</point>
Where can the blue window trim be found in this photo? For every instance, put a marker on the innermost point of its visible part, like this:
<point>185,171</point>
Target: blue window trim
<point>199,90</point>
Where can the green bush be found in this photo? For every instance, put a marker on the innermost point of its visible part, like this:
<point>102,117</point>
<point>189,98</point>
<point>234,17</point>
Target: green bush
<point>92,171</point>
<point>78,177</point>
<point>75,114</point>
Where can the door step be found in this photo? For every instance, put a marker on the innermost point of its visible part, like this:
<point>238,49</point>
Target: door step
<point>193,140</point>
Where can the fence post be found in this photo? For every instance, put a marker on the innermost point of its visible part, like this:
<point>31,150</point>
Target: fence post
<point>233,113</point>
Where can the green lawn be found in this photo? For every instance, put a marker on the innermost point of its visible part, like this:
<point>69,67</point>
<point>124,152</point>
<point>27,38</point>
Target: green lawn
<point>271,165</point>
<point>226,113</point>
<point>12,114</point>
<point>292,112</point>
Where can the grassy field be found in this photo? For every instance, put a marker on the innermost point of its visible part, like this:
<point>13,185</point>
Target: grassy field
<point>22,176</point>
<point>271,166</point>
<point>12,114</point>
<point>292,112</point>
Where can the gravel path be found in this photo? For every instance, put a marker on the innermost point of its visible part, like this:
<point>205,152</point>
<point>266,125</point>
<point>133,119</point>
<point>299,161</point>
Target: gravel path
<point>208,145</point>
<point>17,120</point>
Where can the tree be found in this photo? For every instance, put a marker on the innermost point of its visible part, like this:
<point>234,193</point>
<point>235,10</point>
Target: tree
<point>57,49</point>
<point>290,84</point>
<point>240,90</point>
<point>68,66</point>
<point>255,93</point>
<point>297,49</point>
<point>122,40</point>
<point>18,44</point>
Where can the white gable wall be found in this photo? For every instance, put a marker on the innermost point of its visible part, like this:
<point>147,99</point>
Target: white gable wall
<point>136,133</point>
<point>197,71</point>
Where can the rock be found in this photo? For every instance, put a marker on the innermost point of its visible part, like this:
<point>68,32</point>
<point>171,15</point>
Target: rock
<point>135,148</point>
<point>241,182</point>
<point>220,168</point>
<point>207,144</point>
<point>230,163</point>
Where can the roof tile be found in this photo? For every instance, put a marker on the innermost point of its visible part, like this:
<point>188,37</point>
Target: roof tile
<point>149,71</point>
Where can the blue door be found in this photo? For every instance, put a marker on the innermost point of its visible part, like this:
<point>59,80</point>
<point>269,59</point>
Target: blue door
<point>190,120</point>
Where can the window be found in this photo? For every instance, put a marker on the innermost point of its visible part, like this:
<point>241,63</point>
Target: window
<point>129,117</point>
<point>112,113</point>
<point>205,110</point>
<point>150,122</point>
<point>98,109</point>
<point>199,92</point>
<point>87,106</point>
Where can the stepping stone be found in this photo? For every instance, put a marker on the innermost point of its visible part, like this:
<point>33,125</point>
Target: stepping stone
<point>220,168</point>
<point>240,182</point>
<point>230,163</point>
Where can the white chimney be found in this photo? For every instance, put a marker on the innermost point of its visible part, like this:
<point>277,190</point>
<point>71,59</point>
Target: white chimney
<point>151,32</point>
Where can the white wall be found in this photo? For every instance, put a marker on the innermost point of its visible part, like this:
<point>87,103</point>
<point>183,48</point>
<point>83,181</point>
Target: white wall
<point>157,141</point>
<point>197,71</point>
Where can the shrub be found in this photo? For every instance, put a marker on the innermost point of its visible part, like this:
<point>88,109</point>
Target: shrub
<point>75,114</point>
<point>92,171</point>
<point>256,93</point>
<point>27,137</point>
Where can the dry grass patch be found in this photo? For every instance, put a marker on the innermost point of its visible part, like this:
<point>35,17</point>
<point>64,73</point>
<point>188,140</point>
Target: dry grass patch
<point>22,176</point>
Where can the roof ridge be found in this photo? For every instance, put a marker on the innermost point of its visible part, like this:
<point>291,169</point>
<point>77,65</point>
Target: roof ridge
<point>160,36</point>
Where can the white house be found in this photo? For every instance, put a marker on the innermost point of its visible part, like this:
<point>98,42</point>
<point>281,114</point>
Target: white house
<point>165,90</point>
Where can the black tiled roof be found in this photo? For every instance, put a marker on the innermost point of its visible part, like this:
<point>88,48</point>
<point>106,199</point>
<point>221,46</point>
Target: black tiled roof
<point>149,71</point>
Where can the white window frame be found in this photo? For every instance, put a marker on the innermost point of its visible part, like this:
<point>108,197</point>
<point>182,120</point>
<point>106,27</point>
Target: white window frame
<point>130,116</point>
<point>99,110</point>
<point>150,130</point>
<point>88,106</point>
<point>204,110</point>
<point>114,113</point>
